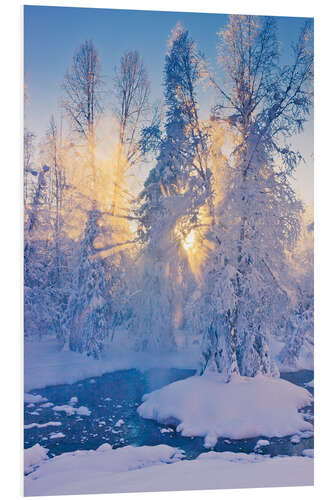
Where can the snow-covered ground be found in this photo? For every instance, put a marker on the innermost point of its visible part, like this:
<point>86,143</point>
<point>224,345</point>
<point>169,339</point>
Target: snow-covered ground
<point>45,364</point>
<point>156,468</point>
<point>250,407</point>
<point>243,408</point>
<point>34,456</point>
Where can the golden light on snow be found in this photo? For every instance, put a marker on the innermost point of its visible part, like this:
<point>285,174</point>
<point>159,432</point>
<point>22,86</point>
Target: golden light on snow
<point>189,241</point>
<point>192,242</point>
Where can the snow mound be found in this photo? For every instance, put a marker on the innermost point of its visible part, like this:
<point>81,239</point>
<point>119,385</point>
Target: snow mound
<point>104,447</point>
<point>33,398</point>
<point>83,410</point>
<point>65,473</point>
<point>130,469</point>
<point>308,453</point>
<point>244,408</point>
<point>47,424</point>
<point>261,443</point>
<point>231,456</point>
<point>34,456</point>
<point>166,430</point>
<point>70,410</point>
<point>57,435</point>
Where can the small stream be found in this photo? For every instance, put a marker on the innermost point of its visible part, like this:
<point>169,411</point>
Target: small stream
<point>112,401</point>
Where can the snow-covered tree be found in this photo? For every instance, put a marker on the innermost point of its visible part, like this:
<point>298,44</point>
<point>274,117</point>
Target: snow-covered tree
<point>82,99</point>
<point>87,318</point>
<point>38,306</point>
<point>259,216</point>
<point>132,93</point>
<point>28,152</point>
<point>173,193</point>
<point>298,321</point>
<point>52,153</point>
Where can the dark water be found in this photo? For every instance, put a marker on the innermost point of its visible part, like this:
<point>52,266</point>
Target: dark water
<point>113,399</point>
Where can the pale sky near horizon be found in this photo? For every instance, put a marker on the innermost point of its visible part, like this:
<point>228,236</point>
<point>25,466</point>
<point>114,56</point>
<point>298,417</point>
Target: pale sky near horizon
<point>51,35</point>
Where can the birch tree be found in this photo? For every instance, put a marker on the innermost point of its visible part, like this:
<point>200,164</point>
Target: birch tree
<point>82,99</point>
<point>52,153</point>
<point>263,104</point>
<point>28,152</point>
<point>132,92</point>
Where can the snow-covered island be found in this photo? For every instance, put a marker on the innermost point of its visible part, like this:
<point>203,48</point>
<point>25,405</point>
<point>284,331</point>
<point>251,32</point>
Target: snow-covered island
<point>245,407</point>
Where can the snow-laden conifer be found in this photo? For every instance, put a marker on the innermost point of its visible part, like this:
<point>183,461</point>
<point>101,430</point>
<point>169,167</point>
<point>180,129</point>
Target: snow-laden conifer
<point>86,321</point>
<point>173,193</point>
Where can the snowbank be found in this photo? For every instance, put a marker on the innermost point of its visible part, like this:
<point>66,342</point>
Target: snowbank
<point>245,407</point>
<point>158,468</point>
<point>82,471</point>
<point>308,453</point>
<point>45,364</point>
<point>33,456</point>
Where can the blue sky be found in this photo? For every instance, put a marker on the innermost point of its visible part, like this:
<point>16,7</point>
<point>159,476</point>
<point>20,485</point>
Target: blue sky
<point>51,35</point>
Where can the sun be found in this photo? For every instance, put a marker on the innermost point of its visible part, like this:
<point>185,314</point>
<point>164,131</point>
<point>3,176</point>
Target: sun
<point>189,241</point>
